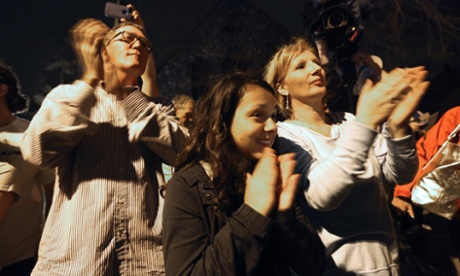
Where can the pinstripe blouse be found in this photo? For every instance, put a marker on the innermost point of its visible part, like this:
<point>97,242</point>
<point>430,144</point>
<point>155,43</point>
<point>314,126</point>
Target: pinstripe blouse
<point>106,213</point>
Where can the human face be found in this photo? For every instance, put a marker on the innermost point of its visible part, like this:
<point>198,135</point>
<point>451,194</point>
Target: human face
<point>305,78</point>
<point>185,114</point>
<point>253,127</point>
<point>128,49</point>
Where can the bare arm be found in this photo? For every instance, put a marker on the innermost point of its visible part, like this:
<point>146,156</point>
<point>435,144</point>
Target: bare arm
<point>149,78</point>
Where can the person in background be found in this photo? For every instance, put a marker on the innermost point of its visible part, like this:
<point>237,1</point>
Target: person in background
<point>344,161</point>
<point>184,105</point>
<point>101,133</point>
<point>229,210</point>
<point>23,200</point>
<point>441,248</point>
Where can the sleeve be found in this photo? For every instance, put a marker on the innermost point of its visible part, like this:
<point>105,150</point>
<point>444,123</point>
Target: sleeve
<point>152,124</point>
<point>187,248</point>
<point>400,163</point>
<point>428,145</point>
<point>346,164</point>
<point>9,178</point>
<point>298,242</point>
<point>59,125</point>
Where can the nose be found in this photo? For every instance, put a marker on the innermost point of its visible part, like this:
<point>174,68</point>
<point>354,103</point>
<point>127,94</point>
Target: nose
<point>270,125</point>
<point>313,67</point>
<point>136,43</point>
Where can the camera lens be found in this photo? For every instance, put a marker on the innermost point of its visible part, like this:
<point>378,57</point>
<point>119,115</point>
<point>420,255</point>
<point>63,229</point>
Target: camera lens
<point>336,19</point>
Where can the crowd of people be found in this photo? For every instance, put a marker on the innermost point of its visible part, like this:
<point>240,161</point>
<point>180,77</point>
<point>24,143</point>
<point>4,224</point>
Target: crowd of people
<point>264,180</point>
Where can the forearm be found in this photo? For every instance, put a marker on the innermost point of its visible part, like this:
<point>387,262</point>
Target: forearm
<point>346,165</point>
<point>401,163</point>
<point>151,124</point>
<point>59,125</point>
<point>149,79</point>
<point>298,241</point>
<point>187,234</point>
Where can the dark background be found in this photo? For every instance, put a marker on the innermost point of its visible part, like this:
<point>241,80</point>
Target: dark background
<point>197,39</point>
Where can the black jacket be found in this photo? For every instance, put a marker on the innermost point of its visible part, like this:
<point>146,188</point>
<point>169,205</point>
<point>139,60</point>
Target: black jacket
<point>198,242</point>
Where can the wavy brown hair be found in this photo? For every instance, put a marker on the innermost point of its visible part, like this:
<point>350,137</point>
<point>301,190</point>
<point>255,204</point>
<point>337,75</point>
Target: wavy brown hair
<point>211,140</point>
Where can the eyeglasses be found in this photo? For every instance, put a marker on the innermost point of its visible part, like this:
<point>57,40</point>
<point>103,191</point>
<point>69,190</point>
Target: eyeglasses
<point>130,39</point>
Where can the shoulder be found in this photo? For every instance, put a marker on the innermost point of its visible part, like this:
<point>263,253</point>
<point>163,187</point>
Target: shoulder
<point>341,117</point>
<point>21,123</point>
<point>73,94</point>
<point>188,178</point>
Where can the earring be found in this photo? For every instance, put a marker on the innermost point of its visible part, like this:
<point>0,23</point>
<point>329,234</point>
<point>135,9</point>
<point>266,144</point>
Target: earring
<point>285,94</point>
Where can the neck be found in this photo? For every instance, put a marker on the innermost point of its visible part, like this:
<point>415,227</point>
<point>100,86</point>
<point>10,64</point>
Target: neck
<point>116,80</point>
<point>311,114</point>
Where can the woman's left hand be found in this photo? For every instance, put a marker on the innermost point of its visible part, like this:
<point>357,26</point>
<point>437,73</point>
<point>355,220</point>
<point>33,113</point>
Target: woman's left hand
<point>289,181</point>
<point>406,105</point>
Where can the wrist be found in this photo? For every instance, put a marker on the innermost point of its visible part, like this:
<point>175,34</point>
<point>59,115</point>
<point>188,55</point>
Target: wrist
<point>91,79</point>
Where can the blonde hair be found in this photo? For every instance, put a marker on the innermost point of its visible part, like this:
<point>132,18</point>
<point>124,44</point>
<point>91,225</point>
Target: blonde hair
<point>278,67</point>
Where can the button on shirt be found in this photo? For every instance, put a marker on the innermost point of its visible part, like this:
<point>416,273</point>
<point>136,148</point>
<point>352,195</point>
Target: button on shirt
<point>106,213</point>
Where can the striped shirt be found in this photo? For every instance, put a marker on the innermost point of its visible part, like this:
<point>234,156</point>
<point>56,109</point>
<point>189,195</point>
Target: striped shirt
<point>106,213</point>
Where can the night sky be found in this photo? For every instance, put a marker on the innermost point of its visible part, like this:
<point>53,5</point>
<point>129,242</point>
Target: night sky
<point>33,33</point>
<point>29,27</point>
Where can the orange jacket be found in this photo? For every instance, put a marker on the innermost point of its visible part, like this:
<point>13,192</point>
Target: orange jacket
<point>428,145</point>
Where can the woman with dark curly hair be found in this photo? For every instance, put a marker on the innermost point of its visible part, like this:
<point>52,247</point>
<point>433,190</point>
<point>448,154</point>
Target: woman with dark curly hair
<point>229,210</point>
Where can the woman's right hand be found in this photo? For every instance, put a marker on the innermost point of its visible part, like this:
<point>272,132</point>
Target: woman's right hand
<point>261,186</point>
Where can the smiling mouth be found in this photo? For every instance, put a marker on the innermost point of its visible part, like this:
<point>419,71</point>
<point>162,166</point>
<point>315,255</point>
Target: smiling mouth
<point>264,142</point>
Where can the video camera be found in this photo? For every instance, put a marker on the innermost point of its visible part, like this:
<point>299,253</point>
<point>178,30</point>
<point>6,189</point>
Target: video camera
<point>339,26</point>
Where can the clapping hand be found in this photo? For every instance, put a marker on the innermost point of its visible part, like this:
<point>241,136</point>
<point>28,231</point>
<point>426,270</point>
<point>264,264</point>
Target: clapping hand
<point>272,183</point>
<point>87,37</point>
<point>394,98</point>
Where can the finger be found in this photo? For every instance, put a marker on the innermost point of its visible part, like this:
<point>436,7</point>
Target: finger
<point>287,166</point>
<point>288,194</point>
<point>413,98</point>
<point>410,211</point>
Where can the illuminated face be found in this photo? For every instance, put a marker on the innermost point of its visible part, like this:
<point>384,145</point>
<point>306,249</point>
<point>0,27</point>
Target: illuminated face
<point>305,78</point>
<point>185,113</point>
<point>129,49</point>
<point>253,127</point>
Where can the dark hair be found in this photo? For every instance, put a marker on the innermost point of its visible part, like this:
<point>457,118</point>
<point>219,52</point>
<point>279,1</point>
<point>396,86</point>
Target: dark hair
<point>15,100</point>
<point>211,139</point>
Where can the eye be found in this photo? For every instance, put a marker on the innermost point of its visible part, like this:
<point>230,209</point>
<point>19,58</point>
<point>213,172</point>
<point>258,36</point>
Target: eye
<point>300,66</point>
<point>256,115</point>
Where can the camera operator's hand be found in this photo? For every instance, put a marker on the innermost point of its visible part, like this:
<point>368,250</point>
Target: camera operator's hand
<point>365,59</point>
<point>87,37</point>
<point>406,105</point>
<point>324,55</point>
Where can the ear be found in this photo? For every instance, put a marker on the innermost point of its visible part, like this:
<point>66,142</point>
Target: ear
<point>104,54</point>
<point>283,91</point>
<point>3,89</point>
